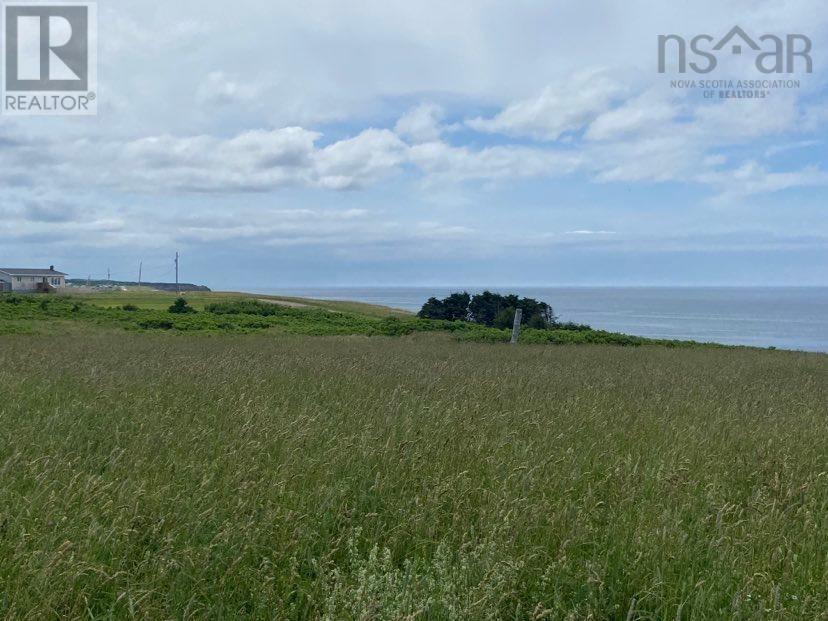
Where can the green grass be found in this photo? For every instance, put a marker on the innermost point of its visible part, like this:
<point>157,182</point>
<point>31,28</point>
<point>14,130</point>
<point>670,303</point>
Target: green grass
<point>160,476</point>
<point>156,300</point>
<point>240,314</point>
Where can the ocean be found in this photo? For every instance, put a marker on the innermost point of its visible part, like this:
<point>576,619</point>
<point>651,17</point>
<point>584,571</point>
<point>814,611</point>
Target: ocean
<point>781,317</point>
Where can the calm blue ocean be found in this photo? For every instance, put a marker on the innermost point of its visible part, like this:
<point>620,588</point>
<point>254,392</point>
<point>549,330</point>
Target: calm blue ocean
<point>787,318</point>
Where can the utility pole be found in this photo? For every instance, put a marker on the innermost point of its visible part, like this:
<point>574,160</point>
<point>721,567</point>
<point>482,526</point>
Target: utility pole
<point>89,280</point>
<point>140,272</point>
<point>177,286</point>
<point>108,275</point>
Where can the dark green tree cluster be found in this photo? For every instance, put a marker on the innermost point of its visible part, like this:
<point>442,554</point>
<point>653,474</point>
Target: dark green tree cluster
<point>181,307</point>
<point>490,309</point>
<point>454,308</point>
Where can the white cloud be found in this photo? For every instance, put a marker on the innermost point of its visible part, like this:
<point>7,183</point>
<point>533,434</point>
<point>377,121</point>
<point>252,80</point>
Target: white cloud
<point>645,114</point>
<point>672,142</point>
<point>791,146</point>
<point>629,143</point>
<point>218,88</point>
<point>358,161</point>
<point>670,157</point>
<point>258,161</point>
<point>752,178</point>
<point>442,162</point>
<point>742,120</point>
<point>421,124</point>
<point>560,108</point>
<point>269,160</point>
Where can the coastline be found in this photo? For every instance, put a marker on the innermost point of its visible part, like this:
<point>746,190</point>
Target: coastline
<point>794,318</point>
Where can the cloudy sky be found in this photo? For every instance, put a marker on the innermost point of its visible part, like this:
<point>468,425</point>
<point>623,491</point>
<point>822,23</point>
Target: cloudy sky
<point>425,142</point>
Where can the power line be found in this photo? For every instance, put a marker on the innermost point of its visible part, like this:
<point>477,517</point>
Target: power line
<point>111,277</point>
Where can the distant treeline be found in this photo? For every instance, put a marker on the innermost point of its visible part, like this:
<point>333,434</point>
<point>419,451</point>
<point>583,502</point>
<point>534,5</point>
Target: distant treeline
<point>160,286</point>
<point>495,311</point>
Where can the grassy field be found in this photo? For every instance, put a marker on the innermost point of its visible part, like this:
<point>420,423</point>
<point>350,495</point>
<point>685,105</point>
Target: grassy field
<point>150,299</point>
<point>157,476</point>
<point>237,313</point>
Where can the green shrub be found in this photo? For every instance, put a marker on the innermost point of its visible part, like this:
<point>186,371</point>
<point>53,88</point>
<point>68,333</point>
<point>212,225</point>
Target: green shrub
<point>182,307</point>
<point>572,327</point>
<point>393,326</point>
<point>156,324</point>
<point>245,307</point>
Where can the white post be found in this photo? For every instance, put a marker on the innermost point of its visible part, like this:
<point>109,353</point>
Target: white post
<point>516,329</point>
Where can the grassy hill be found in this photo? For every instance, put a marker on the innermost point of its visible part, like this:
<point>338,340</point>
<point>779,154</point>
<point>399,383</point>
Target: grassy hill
<point>150,299</point>
<point>211,474</point>
<point>239,313</point>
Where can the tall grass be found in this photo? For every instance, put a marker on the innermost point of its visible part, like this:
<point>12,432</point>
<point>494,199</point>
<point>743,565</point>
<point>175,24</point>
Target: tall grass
<point>145,476</point>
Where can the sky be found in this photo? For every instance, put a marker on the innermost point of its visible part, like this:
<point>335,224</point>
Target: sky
<point>322,143</point>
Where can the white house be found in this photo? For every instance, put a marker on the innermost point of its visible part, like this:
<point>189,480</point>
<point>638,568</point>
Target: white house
<point>14,279</point>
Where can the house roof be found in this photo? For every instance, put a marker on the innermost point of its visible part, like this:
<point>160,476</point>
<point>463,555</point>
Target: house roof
<point>16,271</point>
<point>734,32</point>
